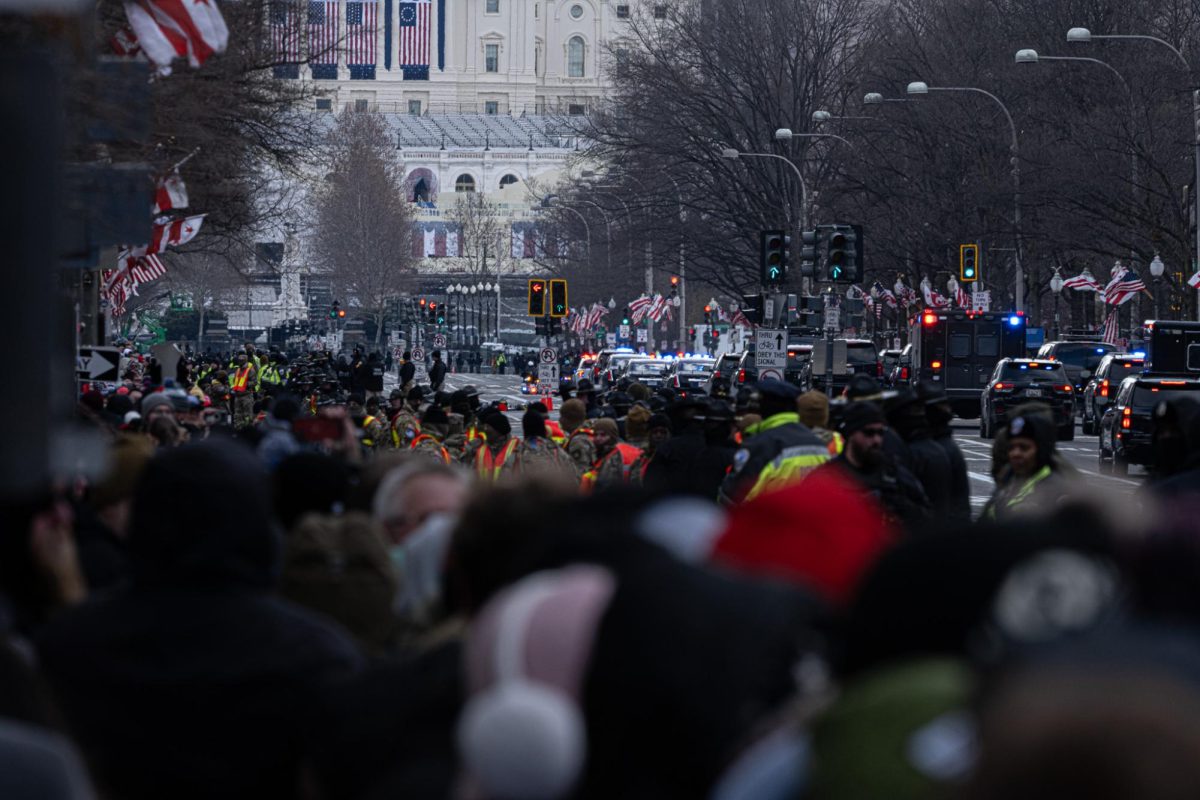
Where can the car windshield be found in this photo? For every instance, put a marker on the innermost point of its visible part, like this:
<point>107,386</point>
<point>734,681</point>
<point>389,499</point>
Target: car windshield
<point>727,365</point>
<point>1120,370</point>
<point>861,354</point>
<point>649,367</point>
<point>618,361</point>
<point>1149,396</point>
<point>695,366</point>
<point>1085,355</point>
<point>1051,372</point>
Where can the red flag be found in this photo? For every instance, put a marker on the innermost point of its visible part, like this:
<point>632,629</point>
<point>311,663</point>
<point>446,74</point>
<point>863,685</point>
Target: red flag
<point>171,194</point>
<point>174,233</point>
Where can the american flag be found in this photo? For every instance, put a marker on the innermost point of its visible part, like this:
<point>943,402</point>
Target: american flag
<point>658,308</point>
<point>361,22</point>
<point>1123,285</point>
<point>1110,330</point>
<point>1194,281</point>
<point>739,319</point>
<point>594,316</point>
<point>414,39</point>
<point>323,33</point>
<point>284,27</point>
<point>639,308</point>
<point>1083,282</point>
<point>147,268</point>
<point>884,293</point>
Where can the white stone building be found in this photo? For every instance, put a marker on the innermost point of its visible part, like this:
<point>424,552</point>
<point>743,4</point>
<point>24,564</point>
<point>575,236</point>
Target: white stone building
<point>515,57</point>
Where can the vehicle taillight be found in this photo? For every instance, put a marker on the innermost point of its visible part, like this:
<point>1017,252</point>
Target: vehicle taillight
<point>1000,387</point>
<point>1066,388</point>
<point>879,369</point>
<point>1126,422</point>
<point>904,373</point>
<point>936,364</point>
<point>1104,388</point>
<point>929,319</point>
<point>741,376</point>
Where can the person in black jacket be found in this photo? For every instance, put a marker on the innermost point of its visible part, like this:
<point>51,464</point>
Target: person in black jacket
<point>371,375</point>
<point>437,371</point>
<point>927,460</point>
<point>408,371</point>
<point>867,462</point>
<point>194,681</point>
<point>696,458</point>
<point>939,413</point>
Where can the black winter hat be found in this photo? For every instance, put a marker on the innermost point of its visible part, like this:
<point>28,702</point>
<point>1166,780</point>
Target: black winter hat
<point>435,415</point>
<point>858,416</point>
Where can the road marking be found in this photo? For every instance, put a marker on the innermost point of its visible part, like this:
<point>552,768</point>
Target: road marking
<point>1108,477</point>
<point>979,476</point>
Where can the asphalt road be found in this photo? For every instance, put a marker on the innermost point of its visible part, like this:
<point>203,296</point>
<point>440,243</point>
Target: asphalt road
<point>1081,452</point>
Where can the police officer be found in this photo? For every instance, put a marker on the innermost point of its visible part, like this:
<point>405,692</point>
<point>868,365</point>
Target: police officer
<point>776,451</point>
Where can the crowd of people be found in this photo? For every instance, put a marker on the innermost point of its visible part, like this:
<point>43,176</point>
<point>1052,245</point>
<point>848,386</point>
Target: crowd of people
<point>284,583</point>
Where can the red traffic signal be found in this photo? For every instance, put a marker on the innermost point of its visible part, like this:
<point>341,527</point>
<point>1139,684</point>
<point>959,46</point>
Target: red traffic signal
<point>422,302</point>
<point>674,280</point>
<point>341,313</point>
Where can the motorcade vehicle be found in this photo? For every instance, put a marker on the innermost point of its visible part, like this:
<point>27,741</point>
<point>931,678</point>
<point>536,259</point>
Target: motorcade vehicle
<point>1017,381</point>
<point>1081,358</point>
<point>1127,426</point>
<point>1100,390</point>
<point>690,374</point>
<point>960,349</point>
<point>647,370</point>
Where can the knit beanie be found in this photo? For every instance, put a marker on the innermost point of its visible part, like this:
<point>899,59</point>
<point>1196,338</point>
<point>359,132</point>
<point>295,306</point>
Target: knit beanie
<point>637,422</point>
<point>813,407</point>
<point>607,425</point>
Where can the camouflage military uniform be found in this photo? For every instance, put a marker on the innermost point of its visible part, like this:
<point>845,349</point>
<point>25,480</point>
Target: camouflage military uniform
<point>376,432</point>
<point>581,449</point>
<point>539,456</point>
<point>610,470</point>
<point>405,428</point>
<point>427,445</point>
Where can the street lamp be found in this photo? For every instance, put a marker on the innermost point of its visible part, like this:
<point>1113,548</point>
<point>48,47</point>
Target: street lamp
<point>920,88</point>
<point>875,99</point>
<point>733,154</point>
<point>824,116</point>
<point>786,135</point>
<point>1084,36</point>
<point>1157,268</point>
<point>1056,286</point>
<point>1030,56</point>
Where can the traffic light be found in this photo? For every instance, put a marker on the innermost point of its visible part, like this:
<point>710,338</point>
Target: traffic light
<point>752,308</point>
<point>707,314</point>
<point>810,243</point>
<point>773,261</point>
<point>333,310</point>
<point>341,312</point>
<point>558,298</point>
<point>625,316</point>
<point>968,262</point>
<point>537,297</point>
<point>844,253</point>
<point>674,281</point>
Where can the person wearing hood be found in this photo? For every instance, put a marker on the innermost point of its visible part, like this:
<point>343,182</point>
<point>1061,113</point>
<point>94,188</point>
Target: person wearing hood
<point>938,414</point>
<point>435,427</point>
<point>928,461</point>
<point>1031,481</point>
<point>498,445</point>
<point>278,441</point>
<point>195,681</point>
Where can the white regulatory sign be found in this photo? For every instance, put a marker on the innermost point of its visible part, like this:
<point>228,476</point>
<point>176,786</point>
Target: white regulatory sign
<point>642,334</point>
<point>833,317</point>
<point>624,329</point>
<point>418,355</point>
<point>439,340</point>
<point>548,373</point>
<point>770,374</point>
<point>770,345</point>
<point>548,355</point>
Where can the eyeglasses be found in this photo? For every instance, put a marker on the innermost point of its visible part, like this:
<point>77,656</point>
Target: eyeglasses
<point>872,432</point>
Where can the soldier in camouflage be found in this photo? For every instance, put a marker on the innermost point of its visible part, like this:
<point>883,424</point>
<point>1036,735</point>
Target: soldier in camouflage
<point>580,447</point>
<point>428,443</point>
<point>406,424</point>
<point>539,455</point>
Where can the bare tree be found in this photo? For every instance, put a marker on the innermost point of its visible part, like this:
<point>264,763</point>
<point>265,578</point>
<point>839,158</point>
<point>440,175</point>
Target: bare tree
<point>483,233</point>
<point>362,226</point>
<point>207,279</point>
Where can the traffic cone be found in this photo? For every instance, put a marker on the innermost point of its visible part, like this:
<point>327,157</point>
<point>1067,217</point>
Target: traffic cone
<point>549,402</point>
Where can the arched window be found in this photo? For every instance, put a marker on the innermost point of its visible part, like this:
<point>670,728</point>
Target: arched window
<point>508,180</point>
<point>575,57</point>
<point>464,183</point>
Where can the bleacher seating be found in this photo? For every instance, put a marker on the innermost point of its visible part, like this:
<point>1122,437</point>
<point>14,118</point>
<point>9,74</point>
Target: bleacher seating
<point>478,130</point>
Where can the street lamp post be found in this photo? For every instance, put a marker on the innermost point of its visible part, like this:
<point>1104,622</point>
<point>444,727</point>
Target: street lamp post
<point>1056,286</point>
<point>1157,268</point>
<point>1083,35</point>
<point>786,134</point>
<point>733,154</point>
<point>922,88</point>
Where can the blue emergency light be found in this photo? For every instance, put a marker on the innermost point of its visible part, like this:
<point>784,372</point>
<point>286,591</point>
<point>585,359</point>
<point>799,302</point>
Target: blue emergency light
<point>1014,320</point>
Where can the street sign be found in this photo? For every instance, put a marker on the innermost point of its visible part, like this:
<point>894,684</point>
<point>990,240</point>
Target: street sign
<point>611,338</point>
<point>439,340</point>
<point>98,364</point>
<point>770,347</point>
<point>770,374</point>
<point>547,378</point>
<point>548,355</point>
<point>768,314</point>
<point>418,355</point>
<point>981,301</point>
<point>624,330</point>
<point>833,317</point>
<point>643,335</point>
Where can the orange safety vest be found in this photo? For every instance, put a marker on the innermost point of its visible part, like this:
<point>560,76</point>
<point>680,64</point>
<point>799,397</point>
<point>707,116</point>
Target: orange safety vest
<point>628,454</point>
<point>240,377</point>
<point>487,465</point>
<point>445,452</point>
<point>555,431</point>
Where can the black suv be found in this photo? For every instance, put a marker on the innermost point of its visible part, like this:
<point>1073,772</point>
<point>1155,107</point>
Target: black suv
<point>1102,387</point>
<point>1080,358</point>
<point>1016,381</point>
<point>1127,427</point>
